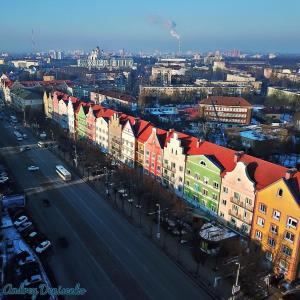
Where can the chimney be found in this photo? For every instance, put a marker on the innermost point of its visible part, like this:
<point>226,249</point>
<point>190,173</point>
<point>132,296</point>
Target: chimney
<point>238,155</point>
<point>198,143</point>
<point>289,173</point>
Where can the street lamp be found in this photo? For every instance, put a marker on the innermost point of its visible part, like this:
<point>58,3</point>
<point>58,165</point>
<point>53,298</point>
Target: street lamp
<point>236,287</point>
<point>158,221</point>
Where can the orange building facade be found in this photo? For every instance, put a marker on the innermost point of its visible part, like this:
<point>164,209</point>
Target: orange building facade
<point>276,225</point>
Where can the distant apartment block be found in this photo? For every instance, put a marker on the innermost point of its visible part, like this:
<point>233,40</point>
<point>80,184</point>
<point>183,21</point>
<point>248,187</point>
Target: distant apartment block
<point>114,98</point>
<point>235,110</point>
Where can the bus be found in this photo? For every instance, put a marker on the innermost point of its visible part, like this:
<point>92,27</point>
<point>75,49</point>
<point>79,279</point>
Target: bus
<point>63,173</point>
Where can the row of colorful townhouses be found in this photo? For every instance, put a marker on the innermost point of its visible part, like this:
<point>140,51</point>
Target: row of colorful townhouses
<point>258,198</point>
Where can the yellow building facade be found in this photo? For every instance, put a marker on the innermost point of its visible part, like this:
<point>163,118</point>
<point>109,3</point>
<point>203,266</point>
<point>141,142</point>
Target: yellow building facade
<point>276,226</point>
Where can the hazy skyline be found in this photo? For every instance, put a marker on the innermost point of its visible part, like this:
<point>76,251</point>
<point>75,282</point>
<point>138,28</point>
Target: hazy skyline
<point>269,25</point>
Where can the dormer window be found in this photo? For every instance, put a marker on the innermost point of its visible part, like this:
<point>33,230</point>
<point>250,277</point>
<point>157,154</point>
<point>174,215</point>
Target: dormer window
<point>280,193</point>
<point>203,163</point>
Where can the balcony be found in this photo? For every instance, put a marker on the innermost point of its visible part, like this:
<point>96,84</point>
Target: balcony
<point>241,204</point>
<point>238,216</point>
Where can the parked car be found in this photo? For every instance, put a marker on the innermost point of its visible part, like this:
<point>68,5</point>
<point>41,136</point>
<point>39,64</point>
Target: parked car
<point>27,148</point>
<point>22,149</point>
<point>33,168</point>
<point>24,226</point>
<point>20,220</point>
<point>3,179</point>
<point>34,279</point>
<point>19,138</point>
<point>25,260</point>
<point>31,236</point>
<point>41,247</point>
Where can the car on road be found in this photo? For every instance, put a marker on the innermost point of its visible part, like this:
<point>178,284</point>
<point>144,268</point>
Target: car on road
<point>22,149</point>
<point>19,138</point>
<point>20,220</point>
<point>33,168</point>
<point>41,247</point>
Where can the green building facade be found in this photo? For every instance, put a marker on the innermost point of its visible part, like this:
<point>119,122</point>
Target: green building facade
<point>202,184</point>
<point>81,123</point>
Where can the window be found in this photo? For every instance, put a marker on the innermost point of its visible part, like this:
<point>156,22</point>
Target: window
<point>205,192</point>
<point>196,187</point>
<point>221,214</point>
<point>180,169</point>
<point>274,229</point>
<point>236,196</point>
<point>158,168</point>
<point>260,221</point>
<point>147,153</point>
<point>214,196</point>
<point>248,201</point>
<point>258,235</point>
<point>205,180</point>
<point>271,242</point>
<point>262,208</point>
<point>224,202</point>
<point>276,215</point>
<point>291,222</point>
<point>188,171</point>
<point>173,165</point>
<point>196,176</point>
<point>180,179</point>
<point>286,250</point>
<point>289,236</point>
<point>203,163</point>
<point>225,189</point>
<point>216,185</point>
<point>165,161</point>
<point>187,183</point>
<point>280,193</point>
<point>283,265</point>
<point>269,256</point>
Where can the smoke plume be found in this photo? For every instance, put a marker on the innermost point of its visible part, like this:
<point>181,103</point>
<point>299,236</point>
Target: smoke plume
<point>166,24</point>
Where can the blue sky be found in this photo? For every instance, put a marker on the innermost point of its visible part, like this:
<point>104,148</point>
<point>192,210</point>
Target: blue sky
<point>258,25</point>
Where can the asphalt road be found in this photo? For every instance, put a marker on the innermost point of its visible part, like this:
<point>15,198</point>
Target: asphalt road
<point>106,255</point>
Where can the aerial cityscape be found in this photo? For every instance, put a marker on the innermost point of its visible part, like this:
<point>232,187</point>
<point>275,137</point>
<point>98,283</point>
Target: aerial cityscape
<point>150,150</point>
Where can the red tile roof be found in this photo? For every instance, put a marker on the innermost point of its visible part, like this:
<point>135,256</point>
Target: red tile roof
<point>263,172</point>
<point>144,133</point>
<point>225,101</point>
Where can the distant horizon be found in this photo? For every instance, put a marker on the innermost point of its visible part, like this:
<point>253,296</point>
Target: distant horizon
<point>263,26</point>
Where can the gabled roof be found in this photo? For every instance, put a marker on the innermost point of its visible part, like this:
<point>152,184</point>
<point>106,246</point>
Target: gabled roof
<point>263,172</point>
<point>170,134</point>
<point>144,132</point>
<point>225,101</point>
<point>224,156</point>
